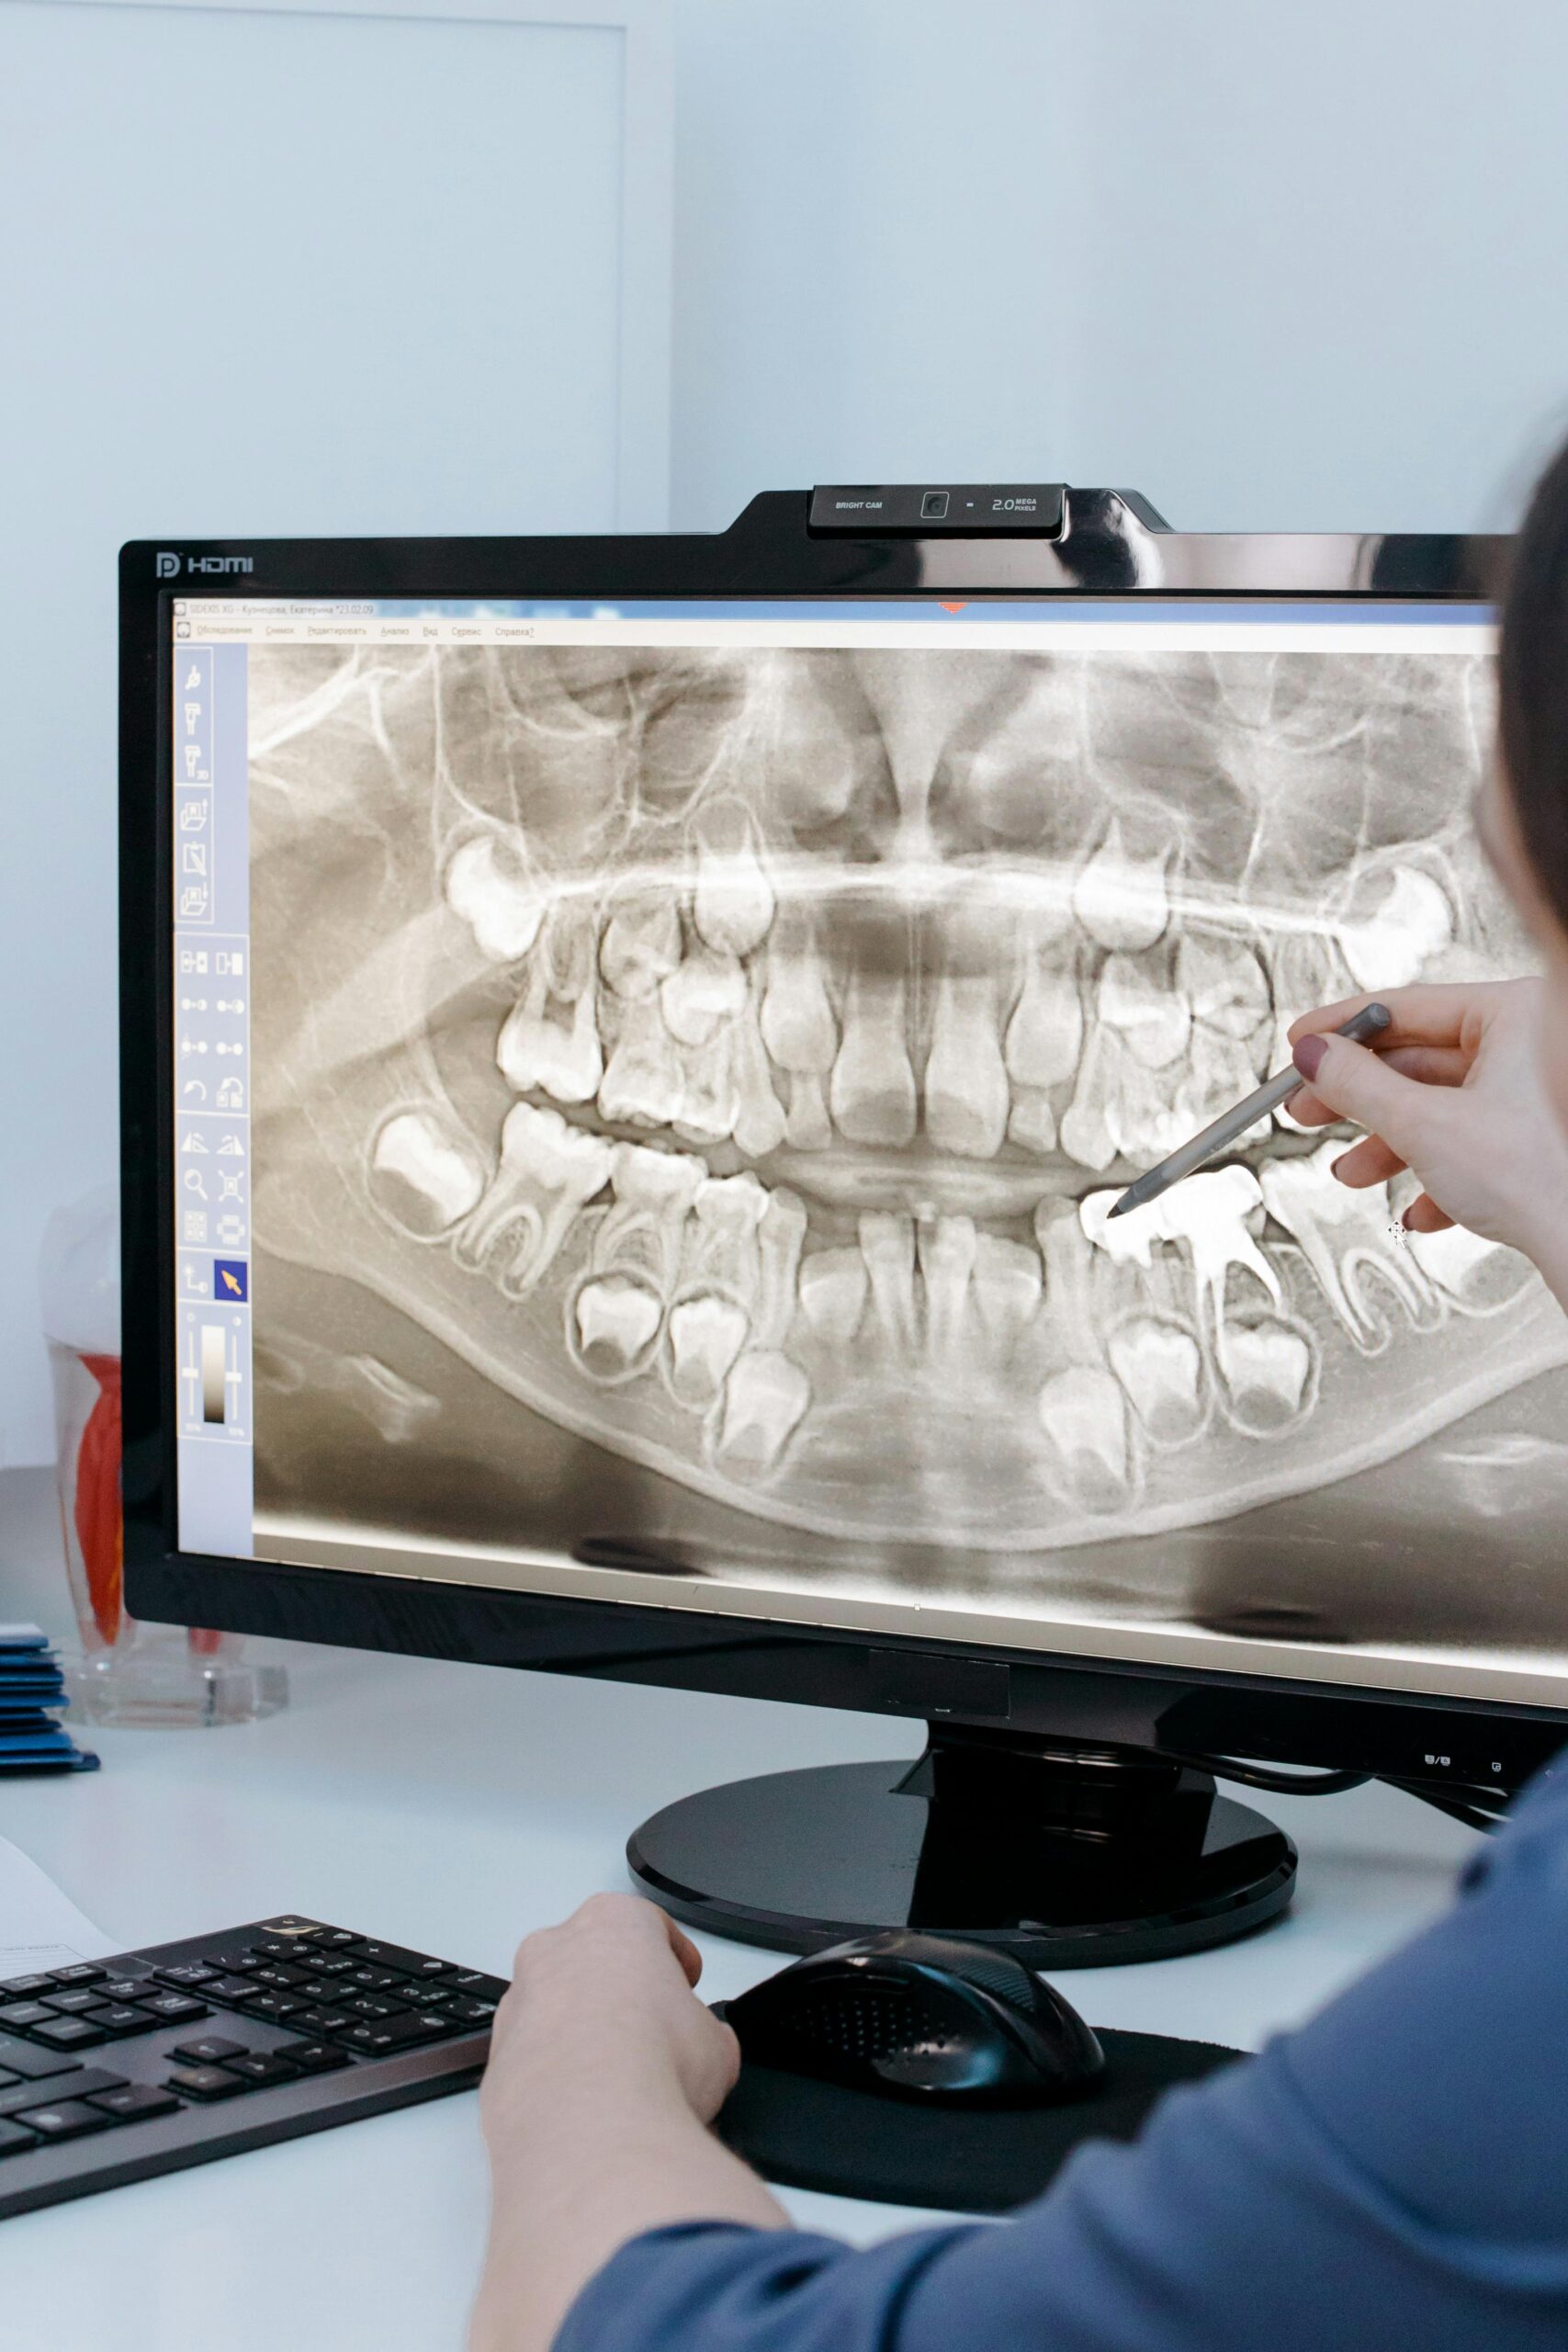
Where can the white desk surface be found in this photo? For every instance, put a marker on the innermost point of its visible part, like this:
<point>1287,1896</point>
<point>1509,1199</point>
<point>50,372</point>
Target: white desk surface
<point>452,1808</point>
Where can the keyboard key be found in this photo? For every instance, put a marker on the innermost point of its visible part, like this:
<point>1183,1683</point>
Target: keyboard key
<point>126,1988</point>
<point>372,2005</point>
<point>19,1987</point>
<point>186,1975</point>
<point>120,2020</point>
<point>332,1963</point>
<point>274,1950</point>
<point>262,2067</point>
<point>17,2016</point>
<point>66,2005</point>
<point>406,1963</point>
<point>80,1973</point>
<point>475,1982</point>
<point>337,1939</point>
<point>176,2008</point>
<point>78,2082</point>
<point>14,2138</point>
<point>321,2021</point>
<point>276,2005</point>
<point>314,1988</point>
<point>274,1979</point>
<point>468,2012</point>
<point>374,1980</point>
<point>68,2033</point>
<point>204,2083</point>
<point>69,2120</point>
<point>135,2102</point>
<point>228,1988</point>
<point>211,2051</point>
<point>312,2057</point>
<point>299,1929</point>
<point>32,2063</point>
<point>395,2033</point>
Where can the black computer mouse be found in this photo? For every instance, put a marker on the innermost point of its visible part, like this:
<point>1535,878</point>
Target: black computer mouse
<point>935,2017</point>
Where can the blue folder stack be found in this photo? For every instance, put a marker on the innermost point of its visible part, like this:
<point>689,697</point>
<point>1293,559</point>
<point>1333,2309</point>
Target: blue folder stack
<point>32,1699</point>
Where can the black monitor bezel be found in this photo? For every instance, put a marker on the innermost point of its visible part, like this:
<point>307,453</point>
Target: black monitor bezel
<point>1113,546</point>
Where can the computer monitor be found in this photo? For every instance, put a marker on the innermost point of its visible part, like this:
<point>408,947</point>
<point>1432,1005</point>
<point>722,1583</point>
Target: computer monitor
<point>628,1046</point>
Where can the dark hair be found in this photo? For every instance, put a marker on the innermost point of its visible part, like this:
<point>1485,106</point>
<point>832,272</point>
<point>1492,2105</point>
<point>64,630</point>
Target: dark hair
<point>1532,677</point>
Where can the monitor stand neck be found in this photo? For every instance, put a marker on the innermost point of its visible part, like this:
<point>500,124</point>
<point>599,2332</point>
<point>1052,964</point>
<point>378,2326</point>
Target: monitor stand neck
<point>1066,1854</point>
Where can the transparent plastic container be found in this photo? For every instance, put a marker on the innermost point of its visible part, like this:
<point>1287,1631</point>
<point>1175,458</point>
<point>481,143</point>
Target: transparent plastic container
<point>126,1671</point>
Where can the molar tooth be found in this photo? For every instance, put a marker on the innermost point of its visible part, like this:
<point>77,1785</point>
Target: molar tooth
<point>1006,1285</point>
<point>711,1321</point>
<point>1122,901</point>
<point>706,991</point>
<point>1151,1017</point>
<point>424,1173</point>
<point>490,885</point>
<point>967,1081</point>
<point>1478,1276</point>
<point>614,1325</point>
<point>798,1027</point>
<point>732,905</point>
<point>887,1242</point>
<point>1032,1122</point>
<point>1224,983</point>
<point>568,951</point>
<point>1160,1366</point>
<point>833,1285</point>
<point>766,1399</point>
<point>759,1117</point>
<point>654,1191</point>
<point>1209,1213</point>
<point>534,1051</point>
<point>641,947</point>
<point>706,1333</point>
<point>709,1100</point>
<point>1084,1417</point>
<point>1046,1033</point>
<point>547,1172</point>
<point>946,1250</point>
<point>806,1124</point>
<point>1341,1234</point>
<point>873,1088</point>
<point>1391,948</point>
<point>642,1079</point>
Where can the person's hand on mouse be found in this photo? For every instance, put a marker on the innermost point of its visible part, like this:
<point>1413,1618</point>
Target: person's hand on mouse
<point>605,2070</point>
<point>1453,1092</point>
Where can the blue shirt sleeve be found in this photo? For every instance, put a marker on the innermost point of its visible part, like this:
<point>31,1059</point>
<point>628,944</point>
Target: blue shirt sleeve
<point>1393,2174</point>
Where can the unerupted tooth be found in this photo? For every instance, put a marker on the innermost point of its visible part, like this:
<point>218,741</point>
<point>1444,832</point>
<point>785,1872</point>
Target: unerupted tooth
<point>1393,946</point>
<point>833,1287</point>
<point>1224,983</point>
<point>707,990</point>
<point>1122,901</point>
<point>425,1174</point>
<point>1006,1286</point>
<point>946,1250</point>
<point>1086,1134</point>
<point>887,1241</point>
<point>1265,1370</point>
<point>781,1237</point>
<point>706,1333</point>
<point>766,1399</point>
<point>1341,1234</point>
<point>563,1060</point>
<point>1083,1415</point>
<point>967,1081</point>
<point>759,1117</point>
<point>1478,1276</point>
<point>1152,1017</point>
<point>709,1098</point>
<point>1032,1122</point>
<point>547,1172</point>
<point>642,1079</point>
<point>1218,1076</point>
<point>641,947</point>
<point>489,884</point>
<point>1046,1033</point>
<point>872,1094</point>
<point>807,1124</point>
<point>732,904</point>
<point>1142,1121</point>
<point>1160,1366</point>
<point>798,1027</point>
<point>613,1326</point>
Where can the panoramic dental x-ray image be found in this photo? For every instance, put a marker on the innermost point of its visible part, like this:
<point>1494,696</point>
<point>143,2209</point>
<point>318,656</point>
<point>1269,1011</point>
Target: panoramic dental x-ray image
<point>691,1079</point>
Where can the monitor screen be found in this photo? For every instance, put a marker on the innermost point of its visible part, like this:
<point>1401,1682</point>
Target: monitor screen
<point>650,1078</point>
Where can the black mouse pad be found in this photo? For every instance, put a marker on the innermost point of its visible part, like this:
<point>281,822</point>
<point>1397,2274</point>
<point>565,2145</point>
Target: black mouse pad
<point>808,2134</point>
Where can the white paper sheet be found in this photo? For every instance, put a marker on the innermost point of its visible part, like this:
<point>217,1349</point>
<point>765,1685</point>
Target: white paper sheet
<point>40,1927</point>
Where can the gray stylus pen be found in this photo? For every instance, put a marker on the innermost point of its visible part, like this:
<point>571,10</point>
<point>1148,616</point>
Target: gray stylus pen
<point>1362,1026</point>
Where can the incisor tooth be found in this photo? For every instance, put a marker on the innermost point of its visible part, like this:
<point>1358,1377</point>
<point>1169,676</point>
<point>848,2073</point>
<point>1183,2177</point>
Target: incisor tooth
<point>946,1250</point>
<point>833,1285</point>
<point>887,1242</point>
<point>733,902</point>
<point>642,1079</point>
<point>707,990</point>
<point>1224,983</point>
<point>1151,1017</point>
<point>534,1051</point>
<point>1414,923</point>
<point>765,1400</point>
<point>641,945</point>
<point>965,1083</point>
<point>489,884</point>
<point>1046,1033</point>
<point>1160,1366</point>
<point>807,1124</point>
<point>424,1173</point>
<point>547,1172</point>
<point>799,1028</point>
<point>1122,901</point>
<point>871,1093</point>
<point>1006,1285</point>
<point>1084,1417</point>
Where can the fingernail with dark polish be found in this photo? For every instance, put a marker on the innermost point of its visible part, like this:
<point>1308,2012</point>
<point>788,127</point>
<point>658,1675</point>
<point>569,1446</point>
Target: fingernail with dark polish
<point>1308,1055</point>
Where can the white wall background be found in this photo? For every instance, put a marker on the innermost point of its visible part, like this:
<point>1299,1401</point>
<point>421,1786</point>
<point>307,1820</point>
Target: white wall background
<point>1287,269</point>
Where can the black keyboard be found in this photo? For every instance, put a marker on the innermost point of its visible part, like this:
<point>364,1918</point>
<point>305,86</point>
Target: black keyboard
<point>156,2059</point>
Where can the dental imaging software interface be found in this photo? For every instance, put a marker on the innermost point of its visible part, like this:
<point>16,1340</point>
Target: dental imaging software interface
<point>650,1079</point>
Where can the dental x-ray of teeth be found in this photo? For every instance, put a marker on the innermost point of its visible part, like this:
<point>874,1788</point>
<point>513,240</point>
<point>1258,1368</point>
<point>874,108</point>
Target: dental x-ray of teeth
<point>691,1081</point>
